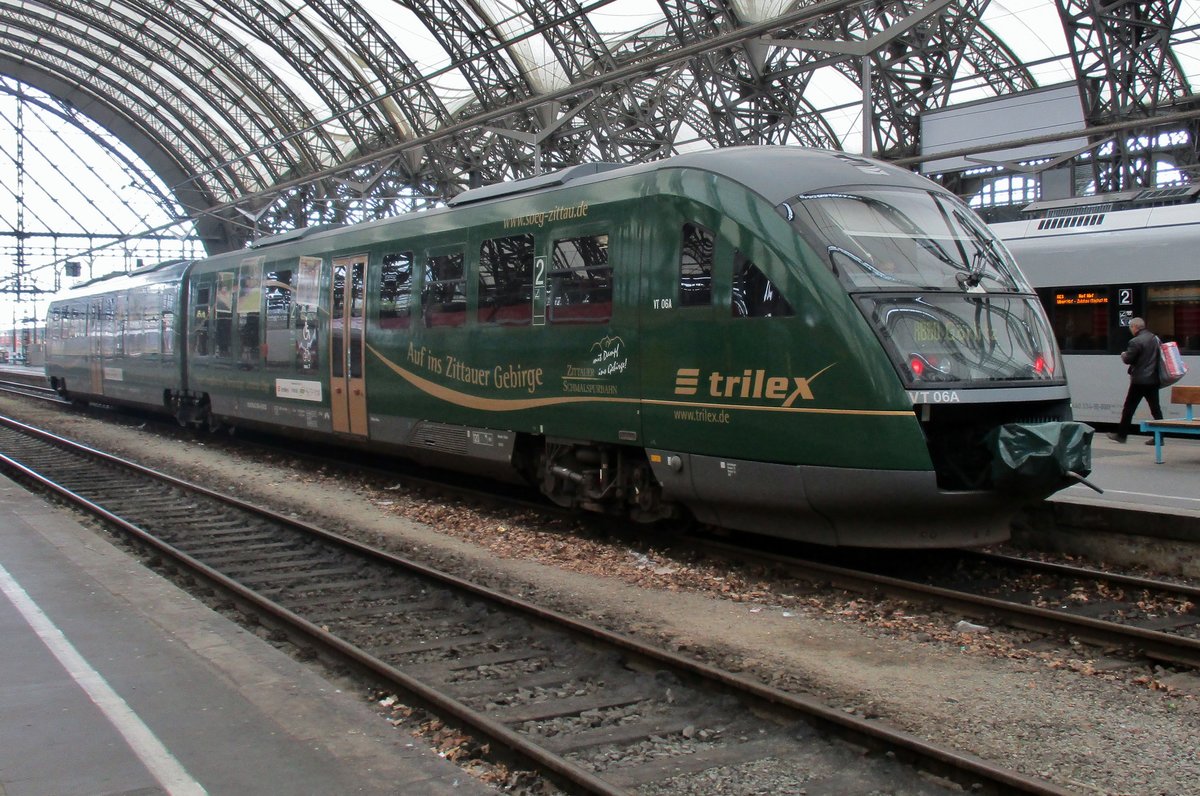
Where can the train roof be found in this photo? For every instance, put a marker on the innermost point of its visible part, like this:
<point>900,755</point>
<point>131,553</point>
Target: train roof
<point>1099,217</point>
<point>1134,199</point>
<point>168,270</point>
<point>776,172</point>
<point>780,172</point>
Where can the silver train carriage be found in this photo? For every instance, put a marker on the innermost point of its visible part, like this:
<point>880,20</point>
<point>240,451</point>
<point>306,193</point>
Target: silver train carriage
<point>1096,262</point>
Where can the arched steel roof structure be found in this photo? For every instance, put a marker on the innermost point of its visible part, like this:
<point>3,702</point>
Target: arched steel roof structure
<point>261,115</point>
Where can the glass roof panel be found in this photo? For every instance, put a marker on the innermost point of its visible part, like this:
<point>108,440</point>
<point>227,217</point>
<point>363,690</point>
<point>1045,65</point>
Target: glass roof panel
<point>1032,30</point>
<point>422,47</point>
<point>533,54</point>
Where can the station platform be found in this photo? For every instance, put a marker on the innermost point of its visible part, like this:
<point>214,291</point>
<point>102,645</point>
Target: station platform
<point>113,681</point>
<point>1140,497</point>
<point>25,374</point>
<point>1130,478</point>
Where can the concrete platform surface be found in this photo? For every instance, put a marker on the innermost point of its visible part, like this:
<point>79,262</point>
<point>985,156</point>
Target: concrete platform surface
<point>113,681</point>
<point>1131,480</point>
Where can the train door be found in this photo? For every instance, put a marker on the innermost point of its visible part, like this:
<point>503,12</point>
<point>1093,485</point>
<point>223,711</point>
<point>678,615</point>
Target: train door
<point>348,395</point>
<point>683,303</point>
<point>96,345</point>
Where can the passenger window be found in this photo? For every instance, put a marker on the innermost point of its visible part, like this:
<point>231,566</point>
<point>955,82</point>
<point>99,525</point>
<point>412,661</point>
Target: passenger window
<point>1078,316</point>
<point>395,291</point>
<point>306,299</point>
<point>581,281</point>
<point>696,266</point>
<point>200,322</point>
<point>120,323</point>
<point>249,312</point>
<point>223,314</point>
<point>107,321</point>
<point>754,295</point>
<point>1173,312</point>
<point>277,294</point>
<point>506,281</point>
<point>444,296</point>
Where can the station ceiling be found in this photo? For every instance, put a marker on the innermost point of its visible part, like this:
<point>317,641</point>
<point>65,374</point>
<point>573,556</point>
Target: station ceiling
<point>261,115</point>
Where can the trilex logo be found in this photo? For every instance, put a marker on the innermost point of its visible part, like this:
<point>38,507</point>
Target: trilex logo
<point>754,384</point>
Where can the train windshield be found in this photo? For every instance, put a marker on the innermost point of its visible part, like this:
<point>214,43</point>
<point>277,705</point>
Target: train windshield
<point>903,238</point>
<point>936,339</point>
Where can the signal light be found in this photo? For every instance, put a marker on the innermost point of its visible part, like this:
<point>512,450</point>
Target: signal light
<point>1039,364</point>
<point>916,366</point>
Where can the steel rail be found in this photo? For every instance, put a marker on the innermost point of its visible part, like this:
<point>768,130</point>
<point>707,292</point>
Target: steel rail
<point>31,391</point>
<point>1153,643</point>
<point>1069,571</point>
<point>905,745</point>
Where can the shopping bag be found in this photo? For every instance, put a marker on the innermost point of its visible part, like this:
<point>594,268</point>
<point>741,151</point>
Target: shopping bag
<point>1171,367</point>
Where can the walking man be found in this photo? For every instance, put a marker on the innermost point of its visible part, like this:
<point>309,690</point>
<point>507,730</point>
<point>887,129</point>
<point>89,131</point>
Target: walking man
<point>1142,358</point>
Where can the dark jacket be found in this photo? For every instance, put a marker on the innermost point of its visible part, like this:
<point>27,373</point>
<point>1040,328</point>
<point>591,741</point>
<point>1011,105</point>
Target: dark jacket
<point>1142,358</point>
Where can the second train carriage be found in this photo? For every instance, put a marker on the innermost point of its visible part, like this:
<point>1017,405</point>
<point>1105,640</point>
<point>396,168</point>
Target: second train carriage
<point>796,342</point>
<point>1098,261</point>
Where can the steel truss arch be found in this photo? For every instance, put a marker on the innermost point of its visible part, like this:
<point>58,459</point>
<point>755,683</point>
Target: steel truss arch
<point>71,117</point>
<point>916,71</point>
<point>1125,68</point>
<point>108,74</point>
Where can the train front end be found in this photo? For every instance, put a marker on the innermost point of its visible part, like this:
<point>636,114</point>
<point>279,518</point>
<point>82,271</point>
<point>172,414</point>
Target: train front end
<point>964,331</point>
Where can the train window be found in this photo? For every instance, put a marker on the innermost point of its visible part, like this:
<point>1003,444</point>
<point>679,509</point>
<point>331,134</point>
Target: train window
<point>395,290</point>
<point>444,292</point>
<point>201,312</point>
<point>1078,317</point>
<point>1173,313</point>
<point>696,266</point>
<point>277,302</point>
<point>167,304</point>
<point>581,281</point>
<point>249,312</point>
<point>167,342</point>
<point>107,316</point>
<point>754,295</point>
<point>223,314</point>
<point>506,281</point>
<point>120,331</point>
<point>307,299</point>
<point>135,324</point>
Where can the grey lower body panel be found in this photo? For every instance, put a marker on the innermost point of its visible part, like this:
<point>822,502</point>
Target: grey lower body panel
<point>480,451</point>
<point>272,413</point>
<point>833,505</point>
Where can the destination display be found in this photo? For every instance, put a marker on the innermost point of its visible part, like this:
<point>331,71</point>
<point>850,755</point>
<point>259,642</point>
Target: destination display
<point>1076,298</point>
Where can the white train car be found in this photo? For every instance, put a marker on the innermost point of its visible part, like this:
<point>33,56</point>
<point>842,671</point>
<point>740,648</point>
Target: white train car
<point>1097,262</point>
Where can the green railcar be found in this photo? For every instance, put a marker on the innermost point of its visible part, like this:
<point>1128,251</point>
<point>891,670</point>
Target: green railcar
<point>789,341</point>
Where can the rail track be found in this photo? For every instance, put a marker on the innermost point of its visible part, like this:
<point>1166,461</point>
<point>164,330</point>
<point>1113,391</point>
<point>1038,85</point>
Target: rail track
<point>321,456</point>
<point>593,711</point>
<point>1154,619</point>
<point>30,390</point>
